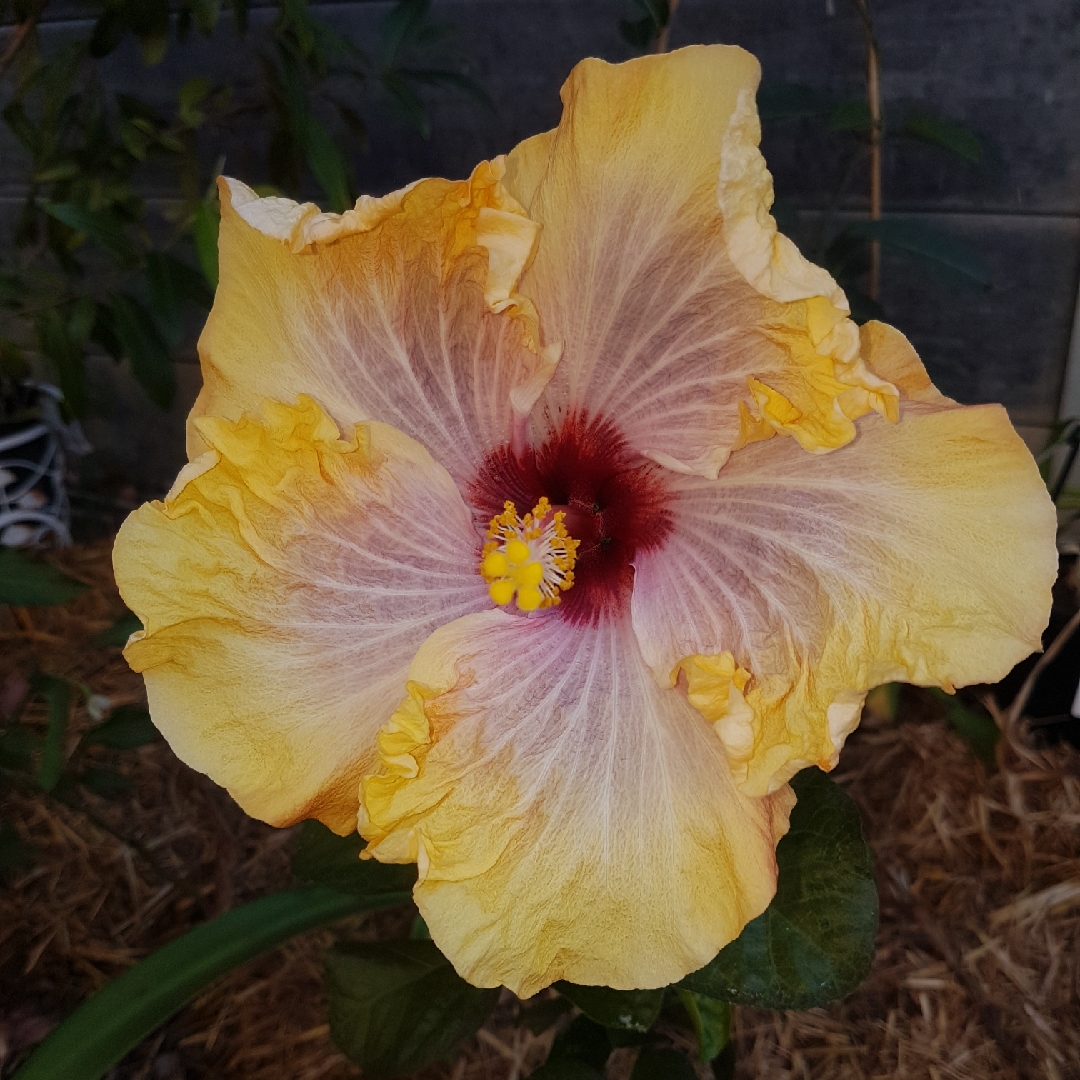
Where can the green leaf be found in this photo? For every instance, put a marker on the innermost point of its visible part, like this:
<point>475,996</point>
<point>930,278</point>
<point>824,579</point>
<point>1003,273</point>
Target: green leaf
<point>711,1020</point>
<point>564,1068</point>
<point>952,137</point>
<point>116,637</point>
<point>657,10</point>
<point>974,726</point>
<point>100,226</point>
<point>57,694</point>
<point>240,15</point>
<point>958,260</point>
<point>191,96</point>
<point>151,363</point>
<point>107,783</point>
<point>639,33</point>
<point>407,100</point>
<point>396,1006</point>
<point>853,115</point>
<point>127,727</point>
<point>792,101</point>
<point>118,1017</point>
<point>327,164</point>
<point>21,127</point>
<point>324,858</point>
<point>815,941</point>
<point>17,747</point>
<point>170,285</point>
<point>205,233</point>
<point>660,1063</point>
<point>624,1010</point>
<point>29,582</point>
<point>402,25</point>
<point>55,343</point>
<point>584,1040</point>
<point>540,1016</point>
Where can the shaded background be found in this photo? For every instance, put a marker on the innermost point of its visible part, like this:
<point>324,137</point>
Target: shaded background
<point>1006,70</point>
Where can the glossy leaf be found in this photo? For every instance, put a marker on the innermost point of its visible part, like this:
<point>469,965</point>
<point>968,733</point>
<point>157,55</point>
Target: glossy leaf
<point>116,637</point>
<point>956,259</point>
<point>118,1017</point>
<point>324,858</point>
<point>623,1010</point>
<point>711,1021</point>
<point>815,941</point>
<point>127,727</point>
<point>57,695</point>
<point>396,1006</point>
<point>28,582</point>
<point>952,137</point>
<point>661,1063</point>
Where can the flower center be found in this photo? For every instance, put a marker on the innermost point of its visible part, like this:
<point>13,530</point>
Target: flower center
<point>531,558</point>
<point>610,500</point>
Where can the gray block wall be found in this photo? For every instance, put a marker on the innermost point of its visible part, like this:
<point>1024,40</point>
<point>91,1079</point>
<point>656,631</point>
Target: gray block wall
<point>1008,70</point>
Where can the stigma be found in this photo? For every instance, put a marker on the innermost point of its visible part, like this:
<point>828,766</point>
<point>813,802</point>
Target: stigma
<point>529,558</point>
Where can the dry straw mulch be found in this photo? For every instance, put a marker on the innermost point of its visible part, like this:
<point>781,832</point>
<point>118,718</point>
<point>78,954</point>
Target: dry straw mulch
<point>978,965</point>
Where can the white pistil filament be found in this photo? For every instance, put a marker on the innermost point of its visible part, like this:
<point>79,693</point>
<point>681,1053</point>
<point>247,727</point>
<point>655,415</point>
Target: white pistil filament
<point>530,558</point>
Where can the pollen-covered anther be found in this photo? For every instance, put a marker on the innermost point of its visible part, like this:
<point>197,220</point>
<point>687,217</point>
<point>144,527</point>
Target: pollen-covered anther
<point>530,558</point>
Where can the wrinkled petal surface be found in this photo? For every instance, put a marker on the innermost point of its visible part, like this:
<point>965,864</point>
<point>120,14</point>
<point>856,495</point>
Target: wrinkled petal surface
<point>923,552</point>
<point>571,818</point>
<point>284,585</point>
<point>403,311</point>
<point>659,270</point>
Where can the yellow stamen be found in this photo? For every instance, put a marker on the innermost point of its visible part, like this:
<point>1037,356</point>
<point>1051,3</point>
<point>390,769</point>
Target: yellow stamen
<point>531,558</point>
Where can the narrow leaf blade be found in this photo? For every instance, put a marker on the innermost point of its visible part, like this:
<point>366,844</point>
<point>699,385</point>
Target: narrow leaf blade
<point>122,1014</point>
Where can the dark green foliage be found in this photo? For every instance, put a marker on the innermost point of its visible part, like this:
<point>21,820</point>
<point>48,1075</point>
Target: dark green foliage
<point>711,1021</point>
<point>57,694</point>
<point>583,1040</point>
<point>127,727</point>
<point>96,272</point>
<point>117,635</point>
<point>662,1063</point>
<point>974,725</point>
<point>644,30</point>
<point>815,942</point>
<point>623,1010</point>
<point>323,858</point>
<point>117,1018</point>
<point>28,581</point>
<point>396,1006</point>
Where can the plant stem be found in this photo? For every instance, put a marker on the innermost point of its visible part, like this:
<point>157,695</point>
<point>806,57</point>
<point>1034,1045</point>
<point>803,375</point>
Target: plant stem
<point>873,95</point>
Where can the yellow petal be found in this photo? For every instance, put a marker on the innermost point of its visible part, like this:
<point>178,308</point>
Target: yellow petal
<point>660,273</point>
<point>284,585</point>
<point>571,819</point>
<point>922,552</point>
<point>403,310</point>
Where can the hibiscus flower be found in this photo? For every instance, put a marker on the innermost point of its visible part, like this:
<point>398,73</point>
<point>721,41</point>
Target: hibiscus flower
<point>551,520</point>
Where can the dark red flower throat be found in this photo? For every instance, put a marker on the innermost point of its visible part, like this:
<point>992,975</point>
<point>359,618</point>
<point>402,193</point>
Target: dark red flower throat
<point>616,504</point>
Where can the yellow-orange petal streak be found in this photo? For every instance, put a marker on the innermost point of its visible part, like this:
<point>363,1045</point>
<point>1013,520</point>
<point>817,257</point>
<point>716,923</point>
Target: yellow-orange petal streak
<point>571,819</point>
<point>922,552</point>
<point>403,310</point>
<point>659,271</point>
<point>284,585</point>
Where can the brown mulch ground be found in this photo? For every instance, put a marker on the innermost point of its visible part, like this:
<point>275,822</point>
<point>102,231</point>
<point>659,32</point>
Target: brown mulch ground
<point>978,964</point>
